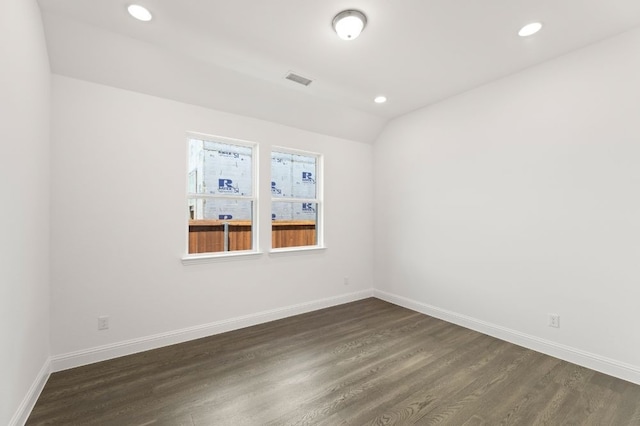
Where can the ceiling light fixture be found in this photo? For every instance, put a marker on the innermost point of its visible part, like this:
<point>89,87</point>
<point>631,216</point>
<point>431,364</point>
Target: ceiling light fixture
<point>530,29</point>
<point>380,99</point>
<point>348,24</point>
<point>139,12</point>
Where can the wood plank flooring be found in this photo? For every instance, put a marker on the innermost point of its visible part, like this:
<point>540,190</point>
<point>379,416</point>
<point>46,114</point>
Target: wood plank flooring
<point>363,363</point>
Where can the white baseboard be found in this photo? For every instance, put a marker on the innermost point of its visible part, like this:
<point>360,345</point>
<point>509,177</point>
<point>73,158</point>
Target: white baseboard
<point>29,401</point>
<point>599,363</point>
<point>114,350</point>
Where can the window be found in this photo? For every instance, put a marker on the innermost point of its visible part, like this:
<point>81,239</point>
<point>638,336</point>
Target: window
<point>295,199</point>
<point>221,195</point>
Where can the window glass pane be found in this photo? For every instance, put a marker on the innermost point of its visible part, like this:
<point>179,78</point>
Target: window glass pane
<point>219,168</point>
<point>288,211</point>
<point>218,225</point>
<point>216,171</point>
<point>293,175</point>
<point>220,209</point>
<point>293,224</point>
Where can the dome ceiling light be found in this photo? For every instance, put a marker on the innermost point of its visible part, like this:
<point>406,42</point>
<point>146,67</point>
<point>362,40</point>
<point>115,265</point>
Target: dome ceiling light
<point>348,24</point>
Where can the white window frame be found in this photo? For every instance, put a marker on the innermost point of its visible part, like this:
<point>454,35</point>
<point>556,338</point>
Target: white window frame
<point>194,258</point>
<point>319,200</point>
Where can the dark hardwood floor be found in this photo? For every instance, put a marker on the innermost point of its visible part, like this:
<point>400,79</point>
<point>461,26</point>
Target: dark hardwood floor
<point>363,363</point>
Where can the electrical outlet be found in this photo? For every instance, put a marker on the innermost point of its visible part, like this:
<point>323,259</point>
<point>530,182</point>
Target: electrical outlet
<point>346,280</point>
<point>103,323</point>
<point>554,320</point>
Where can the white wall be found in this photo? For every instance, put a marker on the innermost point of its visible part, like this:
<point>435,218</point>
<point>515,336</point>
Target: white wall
<point>519,199</point>
<point>24,216</point>
<point>119,223</point>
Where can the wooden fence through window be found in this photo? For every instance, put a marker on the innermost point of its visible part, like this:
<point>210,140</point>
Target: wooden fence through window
<point>206,236</point>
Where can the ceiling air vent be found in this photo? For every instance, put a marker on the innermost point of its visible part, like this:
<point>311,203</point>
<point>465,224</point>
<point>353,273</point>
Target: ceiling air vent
<point>298,79</point>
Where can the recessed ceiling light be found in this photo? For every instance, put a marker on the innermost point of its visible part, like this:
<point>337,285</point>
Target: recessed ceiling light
<point>348,24</point>
<point>139,12</point>
<point>530,29</point>
<point>380,99</point>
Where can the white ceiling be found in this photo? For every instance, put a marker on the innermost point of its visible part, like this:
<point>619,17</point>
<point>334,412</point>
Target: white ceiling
<point>233,55</point>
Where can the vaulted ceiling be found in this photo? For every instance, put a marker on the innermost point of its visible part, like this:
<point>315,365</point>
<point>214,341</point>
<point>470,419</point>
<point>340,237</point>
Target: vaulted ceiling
<point>233,55</point>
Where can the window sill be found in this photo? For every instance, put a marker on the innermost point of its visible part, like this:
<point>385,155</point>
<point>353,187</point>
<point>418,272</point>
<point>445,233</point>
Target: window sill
<point>302,249</point>
<point>196,259</point>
